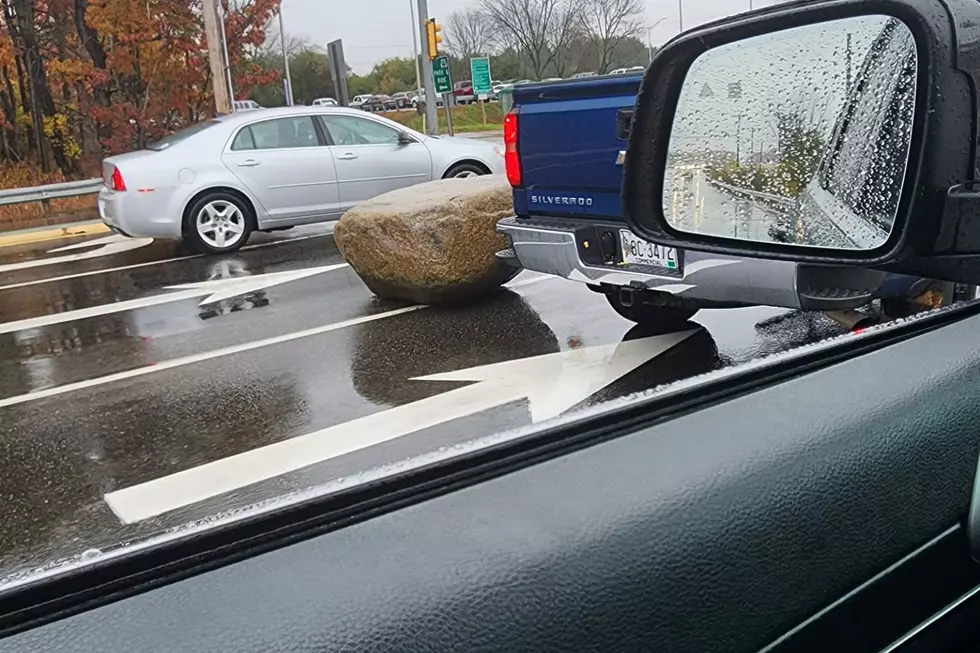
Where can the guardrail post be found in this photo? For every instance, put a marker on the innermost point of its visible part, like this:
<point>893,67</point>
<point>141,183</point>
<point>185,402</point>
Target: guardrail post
<point>46,209</point>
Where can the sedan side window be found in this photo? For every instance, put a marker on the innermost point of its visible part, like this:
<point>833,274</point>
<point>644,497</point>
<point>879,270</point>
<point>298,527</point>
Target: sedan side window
<point>351,130</point>
<point>280,133</point>
<point>243,140</point>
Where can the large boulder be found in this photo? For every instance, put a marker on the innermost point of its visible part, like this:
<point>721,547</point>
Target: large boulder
<point>430,243</point>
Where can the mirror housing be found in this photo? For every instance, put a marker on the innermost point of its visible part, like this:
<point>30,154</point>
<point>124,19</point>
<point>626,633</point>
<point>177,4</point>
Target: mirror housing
<point>936,230</point>
<point>404,138</point>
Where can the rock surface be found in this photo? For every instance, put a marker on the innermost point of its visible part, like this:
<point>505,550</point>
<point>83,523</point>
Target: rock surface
<point>430,243</point>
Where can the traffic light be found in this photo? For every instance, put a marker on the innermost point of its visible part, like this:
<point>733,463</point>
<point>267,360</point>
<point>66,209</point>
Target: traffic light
<point>433,37</point>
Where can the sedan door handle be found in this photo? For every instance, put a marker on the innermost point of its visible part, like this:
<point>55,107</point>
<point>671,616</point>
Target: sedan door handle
<point>248,163</point>
<point>347,156</point>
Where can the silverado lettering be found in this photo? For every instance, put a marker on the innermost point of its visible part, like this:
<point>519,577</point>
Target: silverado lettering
<point>551,199</point>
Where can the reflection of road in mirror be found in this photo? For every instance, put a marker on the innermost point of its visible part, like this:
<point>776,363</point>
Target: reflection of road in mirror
<point>702,205</point>
<point>389,353</point>
<point>816,117</point>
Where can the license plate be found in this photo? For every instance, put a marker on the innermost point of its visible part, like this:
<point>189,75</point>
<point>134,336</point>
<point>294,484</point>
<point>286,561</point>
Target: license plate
<point>637,251</point>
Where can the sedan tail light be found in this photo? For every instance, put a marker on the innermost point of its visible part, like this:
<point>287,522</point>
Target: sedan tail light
<point>512,162</point>
<point>115,181</point>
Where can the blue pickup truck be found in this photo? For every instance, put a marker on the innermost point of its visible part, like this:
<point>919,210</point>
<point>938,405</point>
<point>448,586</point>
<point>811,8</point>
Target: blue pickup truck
<point>565,147</point>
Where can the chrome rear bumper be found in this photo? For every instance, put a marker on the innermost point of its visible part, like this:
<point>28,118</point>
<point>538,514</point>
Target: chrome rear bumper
<point>555,246</point>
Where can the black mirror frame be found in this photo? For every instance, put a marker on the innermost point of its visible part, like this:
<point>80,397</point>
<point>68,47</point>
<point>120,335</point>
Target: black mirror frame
<point>404,138</point>
<point>942,153</point>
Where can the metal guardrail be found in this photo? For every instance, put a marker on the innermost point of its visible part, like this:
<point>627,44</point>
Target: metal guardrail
<point>45,194</point>
<point>755,194</point>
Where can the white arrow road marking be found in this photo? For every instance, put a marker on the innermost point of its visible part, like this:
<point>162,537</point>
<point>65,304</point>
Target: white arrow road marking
<point>215,290</point>
<point>105,246</point>
<point>552,383</point>
<point>105,240</point>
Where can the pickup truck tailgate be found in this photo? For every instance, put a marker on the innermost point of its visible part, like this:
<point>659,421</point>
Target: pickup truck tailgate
<point>569,139</point>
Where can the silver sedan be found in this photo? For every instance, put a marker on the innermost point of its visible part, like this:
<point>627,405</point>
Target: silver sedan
<point>215,182</point>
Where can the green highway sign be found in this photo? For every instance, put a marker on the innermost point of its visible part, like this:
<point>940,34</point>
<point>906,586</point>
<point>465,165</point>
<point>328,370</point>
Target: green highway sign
<point>440,75</point>
<point>480,74</point>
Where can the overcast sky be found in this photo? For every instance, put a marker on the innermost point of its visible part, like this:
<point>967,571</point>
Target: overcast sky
<point>373,30</point>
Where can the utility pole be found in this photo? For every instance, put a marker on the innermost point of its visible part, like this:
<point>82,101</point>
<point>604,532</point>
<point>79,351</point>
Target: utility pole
<point>415,51</point>
<point>680,14</point>
<point>219,80</point>
<point>431,118</point>
<point>285,60</point>
<point>224,49</point>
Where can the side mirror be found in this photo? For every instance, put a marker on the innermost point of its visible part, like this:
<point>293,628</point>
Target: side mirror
<point>405,139</point>
<point>821,132</point>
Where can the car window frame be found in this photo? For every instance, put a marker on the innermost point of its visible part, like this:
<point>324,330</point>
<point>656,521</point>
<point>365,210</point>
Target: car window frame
<point>322,138</point>
<point>326,130</point>
<point>837,165</point>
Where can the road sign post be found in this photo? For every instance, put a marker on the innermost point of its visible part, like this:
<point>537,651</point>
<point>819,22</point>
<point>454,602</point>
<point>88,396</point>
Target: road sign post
<point>441,77</point>
<point>482,84</point>
<point>443,82</point>
<point>431,122</point>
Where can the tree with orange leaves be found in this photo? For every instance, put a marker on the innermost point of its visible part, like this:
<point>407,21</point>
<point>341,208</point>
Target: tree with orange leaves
<point>80,79</point>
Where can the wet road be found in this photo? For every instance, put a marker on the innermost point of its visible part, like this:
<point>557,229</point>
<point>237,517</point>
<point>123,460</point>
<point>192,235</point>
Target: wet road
<point>700,206</point>
<point>105,383</point>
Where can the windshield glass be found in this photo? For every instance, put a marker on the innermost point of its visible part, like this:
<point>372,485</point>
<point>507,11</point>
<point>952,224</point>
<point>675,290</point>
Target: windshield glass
<point>307,297</point>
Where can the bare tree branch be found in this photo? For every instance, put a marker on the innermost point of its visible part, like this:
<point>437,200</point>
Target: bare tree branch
<point>540,30</point>
<point>294,44</point>
<point>608,23</point>
<point>468,33</point>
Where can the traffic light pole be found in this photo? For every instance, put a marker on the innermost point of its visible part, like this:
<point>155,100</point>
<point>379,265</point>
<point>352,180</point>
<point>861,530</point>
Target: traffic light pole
<point>431,117</point>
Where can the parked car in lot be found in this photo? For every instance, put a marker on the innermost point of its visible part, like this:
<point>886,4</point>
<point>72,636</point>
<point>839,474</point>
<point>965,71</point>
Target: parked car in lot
<point>359,101</point>
<point>403,100</point>
<point>627,71</point>
<point>568,221</point>
<point>245,105</point>
<point>215,182</point>
<point>379,103</point>
<point>419,96</point>
<point>463,92</point>
<point>325,102</point>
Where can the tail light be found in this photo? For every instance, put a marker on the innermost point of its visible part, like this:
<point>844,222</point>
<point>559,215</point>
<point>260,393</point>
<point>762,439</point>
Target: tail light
<point>116,180</point>
<point>512,163</point>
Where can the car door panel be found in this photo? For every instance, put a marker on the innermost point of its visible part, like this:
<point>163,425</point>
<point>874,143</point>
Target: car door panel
<point>368,166</point>
<point>735,527</point>
<point>295,181</point>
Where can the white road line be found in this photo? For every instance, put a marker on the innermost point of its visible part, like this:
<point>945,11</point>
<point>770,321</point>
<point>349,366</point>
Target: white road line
<point>226,351</point>
<point>134,266</point>
<point>198,358</point>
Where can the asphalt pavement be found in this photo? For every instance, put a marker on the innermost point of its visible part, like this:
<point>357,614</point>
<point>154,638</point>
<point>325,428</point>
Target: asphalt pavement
<point>124,362</point>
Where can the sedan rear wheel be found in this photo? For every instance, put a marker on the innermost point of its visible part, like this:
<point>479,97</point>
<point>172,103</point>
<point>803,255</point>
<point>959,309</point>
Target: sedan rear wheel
<point>464,170</point>
<point>219,223</point>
